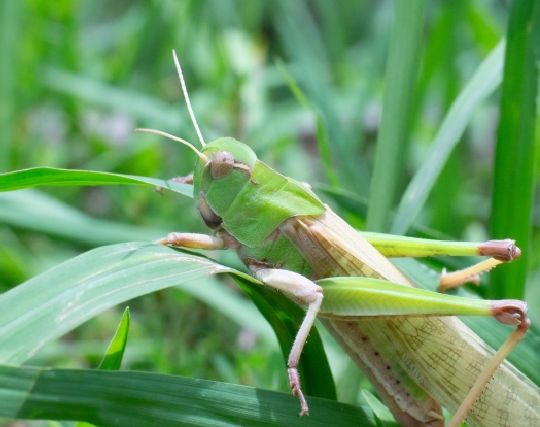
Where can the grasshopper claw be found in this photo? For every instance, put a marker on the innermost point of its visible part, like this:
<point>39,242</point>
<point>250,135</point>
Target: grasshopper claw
<point>510,312</point>
<point>294,382</point>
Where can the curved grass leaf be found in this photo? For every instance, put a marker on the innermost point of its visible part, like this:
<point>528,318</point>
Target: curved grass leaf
<point>122,398</point>
<point>484,81</point>
<point>34,177</point>
<point>53,303</point>
<point>34,210</point>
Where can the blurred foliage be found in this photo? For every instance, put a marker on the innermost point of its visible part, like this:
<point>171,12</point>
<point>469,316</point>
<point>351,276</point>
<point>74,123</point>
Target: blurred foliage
<point>76,79</point>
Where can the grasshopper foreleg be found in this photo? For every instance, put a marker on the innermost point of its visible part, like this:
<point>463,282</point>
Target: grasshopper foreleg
<point>304,291</point>
<point>198,241</point>
<point>188,179</point>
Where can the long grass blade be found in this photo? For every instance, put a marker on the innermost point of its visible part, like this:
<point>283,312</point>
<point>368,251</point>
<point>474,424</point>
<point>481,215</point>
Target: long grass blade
<point>322,134</point>
<point>512,197</point>
<point>52,303</point>
<point>401,74</point>
<point>484,81</point>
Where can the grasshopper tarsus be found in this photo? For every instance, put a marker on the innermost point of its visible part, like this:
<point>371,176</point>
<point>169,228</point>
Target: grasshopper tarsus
<point>503,250</point>
<point>294,382</point>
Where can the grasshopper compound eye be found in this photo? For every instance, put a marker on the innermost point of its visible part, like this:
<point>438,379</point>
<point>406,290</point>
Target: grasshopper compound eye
<point>210,218</point>
<point>221,164</point>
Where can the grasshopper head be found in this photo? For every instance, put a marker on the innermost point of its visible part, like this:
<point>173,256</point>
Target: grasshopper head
<point>220,178</point>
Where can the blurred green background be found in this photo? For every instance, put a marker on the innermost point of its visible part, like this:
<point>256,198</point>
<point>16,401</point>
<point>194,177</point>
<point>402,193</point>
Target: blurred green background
<point>76,79</point>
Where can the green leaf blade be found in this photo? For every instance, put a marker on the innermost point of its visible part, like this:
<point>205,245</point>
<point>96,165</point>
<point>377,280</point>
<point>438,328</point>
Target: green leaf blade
<point>140,399</point>
<point>401,74</point>
<point>323,142</point>
<point>41,176</point>
<point>485,80</point>
<point>115,351</point>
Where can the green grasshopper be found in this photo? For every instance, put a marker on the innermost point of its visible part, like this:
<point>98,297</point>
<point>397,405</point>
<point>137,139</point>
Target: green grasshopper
<point>417,356</point>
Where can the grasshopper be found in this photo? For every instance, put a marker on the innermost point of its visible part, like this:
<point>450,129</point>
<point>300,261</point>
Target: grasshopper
<point>416,354</point>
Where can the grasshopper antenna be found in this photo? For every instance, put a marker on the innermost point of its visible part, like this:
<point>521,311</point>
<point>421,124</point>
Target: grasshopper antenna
<point>177,139</point>
<point>186,96</point>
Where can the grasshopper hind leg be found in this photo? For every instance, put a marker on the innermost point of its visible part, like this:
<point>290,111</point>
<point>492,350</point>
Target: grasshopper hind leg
<point>505,312</point>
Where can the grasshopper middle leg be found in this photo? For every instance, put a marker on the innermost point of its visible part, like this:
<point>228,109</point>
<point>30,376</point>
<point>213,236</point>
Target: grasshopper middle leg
<point>289,282</point>
<point>304,291</point>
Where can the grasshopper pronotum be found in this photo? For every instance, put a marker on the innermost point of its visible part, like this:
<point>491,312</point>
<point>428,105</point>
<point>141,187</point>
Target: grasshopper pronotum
<point>417,360</point>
